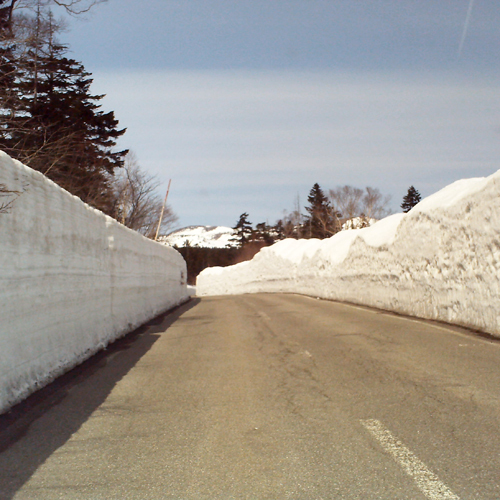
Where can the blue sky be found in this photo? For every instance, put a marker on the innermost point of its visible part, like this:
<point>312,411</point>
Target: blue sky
<point>245,104</point>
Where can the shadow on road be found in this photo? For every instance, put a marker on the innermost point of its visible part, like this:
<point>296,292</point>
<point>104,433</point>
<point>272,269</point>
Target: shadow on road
<point>32,430</point>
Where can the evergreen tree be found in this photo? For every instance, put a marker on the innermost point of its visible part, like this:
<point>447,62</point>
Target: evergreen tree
<point>55,124</point>
<point>279,230</point>
<point>411,198</point>
<point>9,97</point>
<point>6,8</point>
<point>9,69</point>
<point>199,258</point>
<point>263,233</point>
<point>243,230</point>
<point>322,221</point>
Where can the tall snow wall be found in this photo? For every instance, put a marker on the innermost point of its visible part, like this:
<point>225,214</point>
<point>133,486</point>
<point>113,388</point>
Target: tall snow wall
<point>439,261</point>
<point>72,280</point>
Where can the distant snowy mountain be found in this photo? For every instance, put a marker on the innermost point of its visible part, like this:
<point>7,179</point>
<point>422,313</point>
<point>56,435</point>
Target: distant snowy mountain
<point>200,236</point>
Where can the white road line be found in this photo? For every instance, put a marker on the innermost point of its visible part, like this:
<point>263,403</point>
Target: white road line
<point>426,480</point>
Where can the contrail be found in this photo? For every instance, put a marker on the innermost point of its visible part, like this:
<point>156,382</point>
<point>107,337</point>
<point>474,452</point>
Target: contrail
<point>466,25</point>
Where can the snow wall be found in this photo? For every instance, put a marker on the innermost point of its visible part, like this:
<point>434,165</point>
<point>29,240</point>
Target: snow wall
<point>72,280</point>
<point>439,261</point>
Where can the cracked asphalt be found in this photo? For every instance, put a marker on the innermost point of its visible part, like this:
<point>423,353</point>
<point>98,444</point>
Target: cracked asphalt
<point>266,397</point>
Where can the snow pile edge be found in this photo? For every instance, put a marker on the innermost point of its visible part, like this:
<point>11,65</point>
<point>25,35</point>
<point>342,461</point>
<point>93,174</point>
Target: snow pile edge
<point>439,261</point>
<point>72,280</point>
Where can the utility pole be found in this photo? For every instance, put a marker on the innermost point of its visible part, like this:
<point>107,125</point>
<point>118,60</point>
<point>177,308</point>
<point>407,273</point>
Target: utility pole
<point>162,210</point>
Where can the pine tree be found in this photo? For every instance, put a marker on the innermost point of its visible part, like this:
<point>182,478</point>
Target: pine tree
<point>263,233</point>
<point>243,230</point>
<point>55,124</point>
<point>6,8</point>
<point>322,221</point>
<point>411,198</point>
<point>8,95</point>
<point>279,230</point>
<point>9,71</point>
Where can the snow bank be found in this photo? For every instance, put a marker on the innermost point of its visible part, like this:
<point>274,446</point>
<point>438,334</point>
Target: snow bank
<point>439,261</point>
<point>71,281</point>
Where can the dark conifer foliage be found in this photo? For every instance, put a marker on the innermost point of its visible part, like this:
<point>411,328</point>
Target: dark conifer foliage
<point>6,8</point>
<point>411,198</point>
<point>322,221</point>
<point>265,233</point>
<point>198,258</point>
<point>243,230</point>
<point>52,122</point>
<point>9,67</point>
<point>247,242</point>
<point>8,75</point>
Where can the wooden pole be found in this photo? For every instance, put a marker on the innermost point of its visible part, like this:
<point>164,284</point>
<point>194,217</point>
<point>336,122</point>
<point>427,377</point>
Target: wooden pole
<point>162,210</point>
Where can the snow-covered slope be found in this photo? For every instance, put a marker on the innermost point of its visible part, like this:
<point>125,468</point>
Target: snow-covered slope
<point>71,281</point>
<point>439,261</point>
<point>200,236</point>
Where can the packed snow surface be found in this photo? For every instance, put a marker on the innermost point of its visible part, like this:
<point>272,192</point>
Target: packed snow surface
<point>201,236</point>
<point>72,280</point>
<point>439,261</point>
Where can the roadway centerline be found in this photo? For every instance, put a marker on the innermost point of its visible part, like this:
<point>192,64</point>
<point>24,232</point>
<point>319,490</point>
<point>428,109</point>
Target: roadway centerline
<point>430,485</point>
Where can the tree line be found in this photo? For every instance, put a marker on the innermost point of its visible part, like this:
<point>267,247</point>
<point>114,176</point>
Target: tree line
<point>345,207</point>
<point>52,122</point>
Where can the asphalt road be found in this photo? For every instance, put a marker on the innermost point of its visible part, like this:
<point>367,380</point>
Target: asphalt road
<point>266,397</point>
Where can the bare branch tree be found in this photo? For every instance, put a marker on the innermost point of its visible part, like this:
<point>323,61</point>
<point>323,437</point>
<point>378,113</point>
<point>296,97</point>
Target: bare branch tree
<point>329,222</point>
<point>72,7</point>
<point>375,204</point>
<point>347,200</point>
<point>137,204</point>
<point>7,198</point>
<point>364,205</point>
<point>77,7</point>
<point>291,225</point>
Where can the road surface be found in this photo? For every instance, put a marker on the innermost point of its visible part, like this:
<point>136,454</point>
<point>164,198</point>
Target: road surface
<point>266,397</point>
